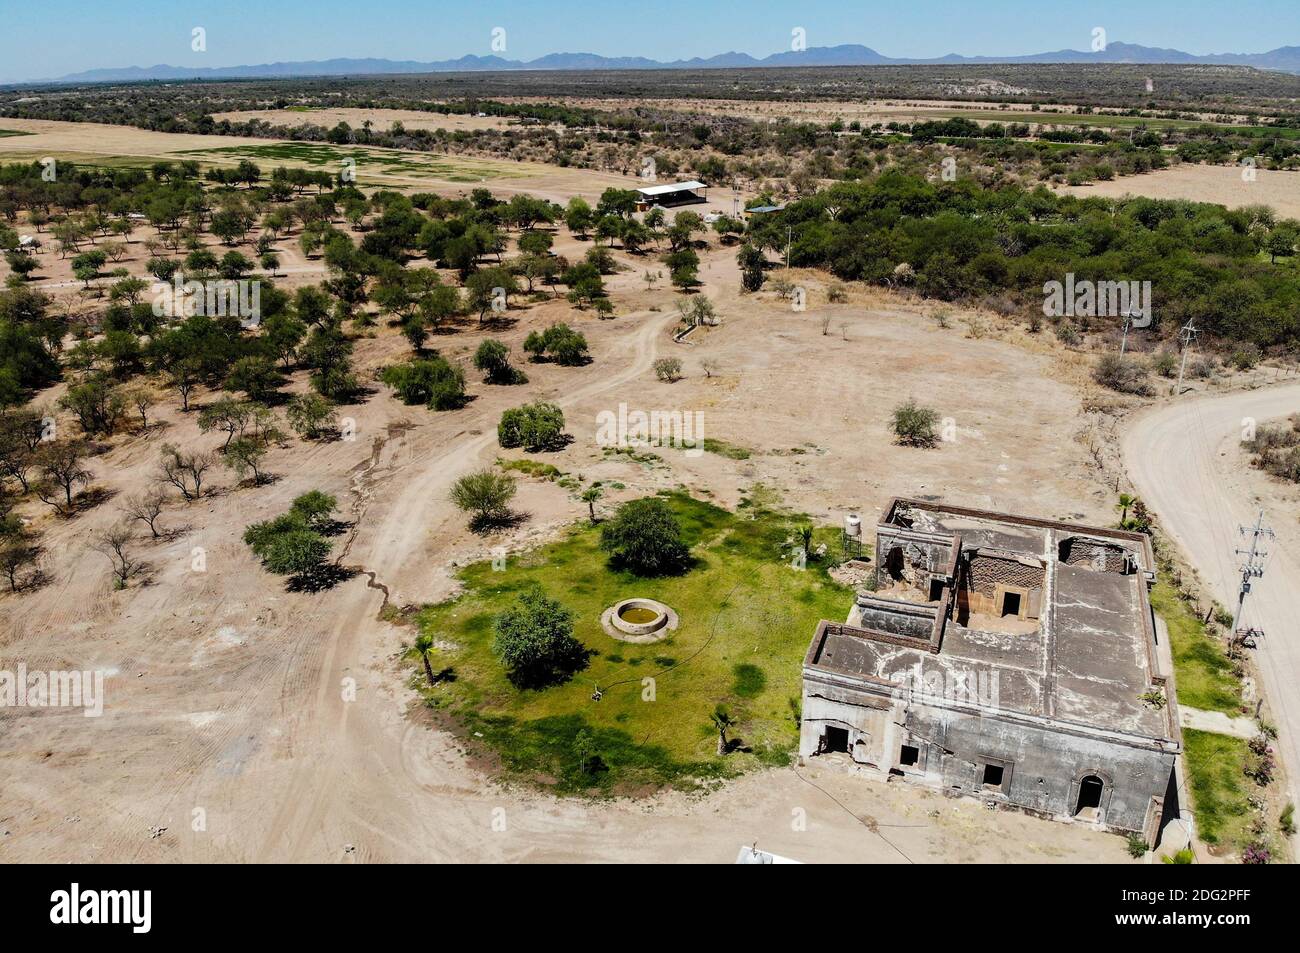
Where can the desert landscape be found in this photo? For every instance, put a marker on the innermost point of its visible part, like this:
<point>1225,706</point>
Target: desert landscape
<point>296,542</point>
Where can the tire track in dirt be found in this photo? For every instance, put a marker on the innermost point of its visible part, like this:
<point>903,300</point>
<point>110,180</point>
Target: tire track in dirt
<point>317,782</point>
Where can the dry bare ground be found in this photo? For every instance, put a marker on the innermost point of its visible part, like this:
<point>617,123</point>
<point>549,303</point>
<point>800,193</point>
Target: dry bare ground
<point>864,111</point>
<point>92,143</point>
<point>1220,184</point>
<point>381,119</point>
<point>230,719</point>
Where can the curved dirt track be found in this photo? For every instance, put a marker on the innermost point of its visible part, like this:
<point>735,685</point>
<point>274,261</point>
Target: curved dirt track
<point>228,692</point>
<point>395,541</point>
<point>1182,458</point>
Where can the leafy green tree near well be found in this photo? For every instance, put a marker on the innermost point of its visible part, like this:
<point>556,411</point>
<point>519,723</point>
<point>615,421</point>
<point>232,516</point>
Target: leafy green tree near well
<point>645,537</point>
<point>534,641</point>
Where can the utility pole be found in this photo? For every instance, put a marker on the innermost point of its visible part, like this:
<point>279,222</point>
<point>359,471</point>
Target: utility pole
<point>1123,342</point>
<point>789,237</point>
<point>1252,568</point>
<point>1188,333</point>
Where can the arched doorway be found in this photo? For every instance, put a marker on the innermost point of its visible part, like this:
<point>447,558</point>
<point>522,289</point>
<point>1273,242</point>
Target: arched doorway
<point>1091,789</point>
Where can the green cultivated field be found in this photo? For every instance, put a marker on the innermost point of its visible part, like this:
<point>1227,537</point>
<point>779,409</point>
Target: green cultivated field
<point>746,615</point>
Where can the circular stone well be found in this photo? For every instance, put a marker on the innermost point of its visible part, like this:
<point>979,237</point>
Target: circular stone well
<point>638,620</point>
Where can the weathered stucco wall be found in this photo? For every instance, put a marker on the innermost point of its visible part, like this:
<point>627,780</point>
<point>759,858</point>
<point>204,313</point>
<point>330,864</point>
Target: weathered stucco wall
<point>1042,767</point>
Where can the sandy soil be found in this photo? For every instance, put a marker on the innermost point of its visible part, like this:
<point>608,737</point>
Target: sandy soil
<point>381,119</point>
<point>99,143</point>
<point>231,719</point>
<point>865,111</point>
<point>1187,461</point>
<point>50,137</point>
<point>1206,183</point>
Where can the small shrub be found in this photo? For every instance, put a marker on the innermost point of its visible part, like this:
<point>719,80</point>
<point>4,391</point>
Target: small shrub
<point>914,425</point>
<point>559,343</point>
<point>1203,368</point>
<point>535,426</point>
<point>431,381</point>
<point>1122,374</point>
<point>1245,357</point>
<point>1164,363</point>
<point>1255,853</point>
<point>493,359</point>
<point>485,495</point>
<point>668,369</point>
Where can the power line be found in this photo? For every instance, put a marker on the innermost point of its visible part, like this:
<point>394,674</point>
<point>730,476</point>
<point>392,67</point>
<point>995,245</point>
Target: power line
<point>1187,334</point>
<point>1252,567</point>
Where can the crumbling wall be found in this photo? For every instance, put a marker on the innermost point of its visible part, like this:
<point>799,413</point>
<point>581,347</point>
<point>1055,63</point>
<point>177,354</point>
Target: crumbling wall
<point>1095,554</point>
<point>864,715</point>
<point>985,572</point>
<point>911,557</point>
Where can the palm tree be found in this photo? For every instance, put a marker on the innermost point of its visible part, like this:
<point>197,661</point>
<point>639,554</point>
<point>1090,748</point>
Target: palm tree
<point>582,748</point>
<point>805,539</point>
<point>423,643</point>
<point>722,720</point>
<point>1125,501</point>
<point>590,496</point>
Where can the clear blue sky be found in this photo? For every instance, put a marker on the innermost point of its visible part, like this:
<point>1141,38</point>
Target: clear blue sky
<point>49,38</point>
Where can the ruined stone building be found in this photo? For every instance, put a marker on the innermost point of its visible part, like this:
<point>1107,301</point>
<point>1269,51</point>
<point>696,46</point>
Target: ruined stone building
<point>1004,657</point>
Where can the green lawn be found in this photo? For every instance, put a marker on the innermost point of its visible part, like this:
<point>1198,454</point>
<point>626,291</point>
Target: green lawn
<point>746,620</point>
<point>1202,672</point>
<point>1214,763</point>
<point>1219,786</point>
<point>14,132</point>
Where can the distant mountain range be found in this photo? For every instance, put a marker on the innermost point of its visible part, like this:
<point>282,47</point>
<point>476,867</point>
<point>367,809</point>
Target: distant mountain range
<point>1284,58</point>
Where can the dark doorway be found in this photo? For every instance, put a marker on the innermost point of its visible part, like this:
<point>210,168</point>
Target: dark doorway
<point>936,590</point>
<point>993,777</point>
<point>909,756</point>
<point>837,739</point>
<point>1090,790</point>
<point>894,563</point>
<point>1011,603</point>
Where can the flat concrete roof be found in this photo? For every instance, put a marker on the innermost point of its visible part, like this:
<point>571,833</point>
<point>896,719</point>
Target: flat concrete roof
<point>1087,664</point>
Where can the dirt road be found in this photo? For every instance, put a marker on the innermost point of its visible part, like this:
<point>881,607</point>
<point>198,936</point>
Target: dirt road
<point>1186,463</point>
<point>248,722</point>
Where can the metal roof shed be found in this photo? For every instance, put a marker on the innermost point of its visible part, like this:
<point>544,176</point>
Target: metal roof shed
<point>672,192</point>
